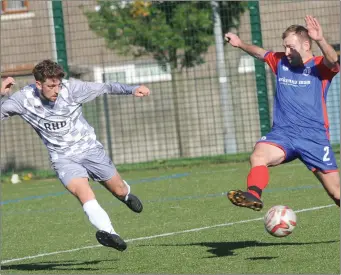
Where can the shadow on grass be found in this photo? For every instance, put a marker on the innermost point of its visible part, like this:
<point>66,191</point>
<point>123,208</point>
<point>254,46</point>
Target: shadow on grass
<point>222,249</point>
<point>62,265</point>
<point>261,258</point>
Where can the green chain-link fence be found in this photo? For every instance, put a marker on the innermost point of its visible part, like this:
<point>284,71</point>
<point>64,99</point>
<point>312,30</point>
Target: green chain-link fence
<point>208,98</point>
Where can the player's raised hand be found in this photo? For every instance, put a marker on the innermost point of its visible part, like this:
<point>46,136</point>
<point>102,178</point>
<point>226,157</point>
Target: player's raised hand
<point>314,28</point>
<point>141,91</point>
<point>6,85</point>
<point>233,39</point>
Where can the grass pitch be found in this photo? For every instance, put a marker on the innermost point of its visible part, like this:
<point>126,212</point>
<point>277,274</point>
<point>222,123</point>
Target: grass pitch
<point>187,226</point>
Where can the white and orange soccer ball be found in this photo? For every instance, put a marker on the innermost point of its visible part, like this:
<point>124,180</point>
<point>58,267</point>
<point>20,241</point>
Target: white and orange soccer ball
<point>280,221</point>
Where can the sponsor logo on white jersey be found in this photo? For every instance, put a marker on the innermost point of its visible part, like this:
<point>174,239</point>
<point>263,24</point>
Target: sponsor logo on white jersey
<point>56,125</point>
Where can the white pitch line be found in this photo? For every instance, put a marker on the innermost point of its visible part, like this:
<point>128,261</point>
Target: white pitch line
<point>155,236</point>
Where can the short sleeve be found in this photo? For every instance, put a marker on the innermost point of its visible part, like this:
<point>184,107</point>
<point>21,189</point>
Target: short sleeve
<point>272,59</point>
<point>325,72</point>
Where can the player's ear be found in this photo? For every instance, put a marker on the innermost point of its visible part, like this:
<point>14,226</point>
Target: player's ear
<point>39,85</point>
<point>306,45</point>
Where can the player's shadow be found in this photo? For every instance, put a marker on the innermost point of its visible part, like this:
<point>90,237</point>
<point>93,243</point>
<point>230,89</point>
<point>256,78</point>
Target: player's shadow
<point>223,249</point>
<point>61,265</point>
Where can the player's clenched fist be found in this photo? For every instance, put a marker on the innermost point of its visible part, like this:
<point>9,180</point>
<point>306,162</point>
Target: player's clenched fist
<point>233,39</point>
<point>6,85</point>
<point>141,91</point>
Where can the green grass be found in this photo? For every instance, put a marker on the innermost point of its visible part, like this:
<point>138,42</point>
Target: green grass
<point>39,218</point>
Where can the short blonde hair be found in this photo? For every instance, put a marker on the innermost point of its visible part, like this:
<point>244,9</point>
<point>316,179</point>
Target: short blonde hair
<point>298,30</point>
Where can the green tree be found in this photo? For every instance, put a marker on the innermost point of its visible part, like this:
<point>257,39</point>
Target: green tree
<point>175,33</point>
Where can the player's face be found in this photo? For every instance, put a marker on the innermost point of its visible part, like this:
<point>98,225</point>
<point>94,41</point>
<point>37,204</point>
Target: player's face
<point>294,50</point>
<point>50,88</point>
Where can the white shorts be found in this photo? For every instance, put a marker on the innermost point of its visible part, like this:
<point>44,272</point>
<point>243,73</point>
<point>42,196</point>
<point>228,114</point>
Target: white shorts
<point>93,164</point>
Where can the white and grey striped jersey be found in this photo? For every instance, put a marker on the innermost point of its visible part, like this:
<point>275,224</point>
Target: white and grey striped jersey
<point>61,124</point>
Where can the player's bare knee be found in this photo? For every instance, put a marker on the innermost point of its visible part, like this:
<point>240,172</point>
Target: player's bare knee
<point>117,187</point>
<point>258,158</point>
<point>121,190</point>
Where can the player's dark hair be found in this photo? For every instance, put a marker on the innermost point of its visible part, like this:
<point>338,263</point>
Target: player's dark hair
<point>300,31</point>
<point>47,69</point>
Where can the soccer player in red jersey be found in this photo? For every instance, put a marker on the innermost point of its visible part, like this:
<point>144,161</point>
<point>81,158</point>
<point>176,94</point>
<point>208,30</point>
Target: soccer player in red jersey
<point>300,127</point>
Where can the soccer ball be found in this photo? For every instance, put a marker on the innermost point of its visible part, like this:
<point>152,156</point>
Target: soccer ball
<point>280,221</point>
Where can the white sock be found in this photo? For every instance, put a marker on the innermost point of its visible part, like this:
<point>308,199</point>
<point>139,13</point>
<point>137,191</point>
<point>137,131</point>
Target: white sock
<point>98,217</point>
<point>128,186</point>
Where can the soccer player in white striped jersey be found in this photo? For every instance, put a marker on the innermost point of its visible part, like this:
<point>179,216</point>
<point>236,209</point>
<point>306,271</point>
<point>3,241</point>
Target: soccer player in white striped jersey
<point>53,107</point>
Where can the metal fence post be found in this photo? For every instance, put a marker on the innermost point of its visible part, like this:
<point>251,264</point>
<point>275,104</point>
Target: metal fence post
<point>58,19</point>
<point>262,91</point>
<point>230,142</point>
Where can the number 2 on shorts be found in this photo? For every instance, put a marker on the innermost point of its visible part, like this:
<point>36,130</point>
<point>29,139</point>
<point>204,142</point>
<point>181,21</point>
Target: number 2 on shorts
<point>326,155</point>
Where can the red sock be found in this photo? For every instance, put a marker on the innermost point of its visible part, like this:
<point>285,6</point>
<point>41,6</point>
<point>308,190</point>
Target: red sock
<point>257,180</point>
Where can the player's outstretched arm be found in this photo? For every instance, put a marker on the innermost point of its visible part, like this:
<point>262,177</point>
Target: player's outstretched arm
<point>252,50</point>
<point>6,86</point>
<point>86,91</point>
<point>315,32</point>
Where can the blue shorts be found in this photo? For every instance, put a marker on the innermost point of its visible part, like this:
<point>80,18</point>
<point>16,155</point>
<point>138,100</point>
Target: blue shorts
<point>316,154</point>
